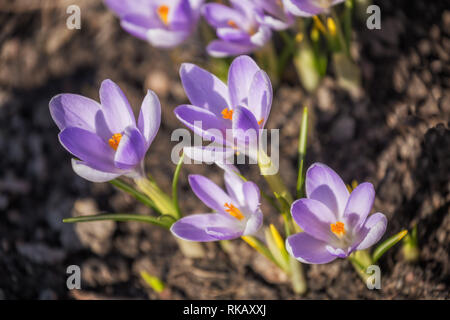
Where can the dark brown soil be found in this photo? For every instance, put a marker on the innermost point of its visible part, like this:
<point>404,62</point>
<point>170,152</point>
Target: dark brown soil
<point>396,136</point>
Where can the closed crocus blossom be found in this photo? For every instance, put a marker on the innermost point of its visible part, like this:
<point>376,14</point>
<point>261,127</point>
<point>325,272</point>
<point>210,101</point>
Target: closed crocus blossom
<point>105,137</point>
<point>237,211</point>
<point>216,108</point>
<point>275,15</point>
<point>163,23</point>
<point>238,27</point>
<point>335,222</point>
<point>308,8</point>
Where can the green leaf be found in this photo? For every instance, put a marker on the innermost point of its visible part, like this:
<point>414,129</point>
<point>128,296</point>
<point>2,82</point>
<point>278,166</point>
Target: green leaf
<point>387,244</point>
<point>154,282</point>
<point>261,248</point>
<point>302,152</point>
<point>164,221</point>
<point>175,186</point>
<point>135,193</point>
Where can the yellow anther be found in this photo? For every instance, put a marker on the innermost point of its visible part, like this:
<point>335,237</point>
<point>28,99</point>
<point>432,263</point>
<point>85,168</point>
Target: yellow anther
<point>260,122</point>
<point>233,211</point>
<point>299,37</point>
<point>338,228</point>
<point>352,186</point>
<point>163,13</point>
<point>115,140</point>
<point>331,26</point>
<point>227,114</point>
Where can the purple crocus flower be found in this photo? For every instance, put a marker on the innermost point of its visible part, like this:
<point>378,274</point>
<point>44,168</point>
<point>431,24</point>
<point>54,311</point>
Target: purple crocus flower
<point>105,137</point>
<point>335,222</point>
<point>237,210</point>
<point>217,108</point>
<point>308,8</point>
<point>275,15</point>
<point>163,23</point>
<point>238,28</point>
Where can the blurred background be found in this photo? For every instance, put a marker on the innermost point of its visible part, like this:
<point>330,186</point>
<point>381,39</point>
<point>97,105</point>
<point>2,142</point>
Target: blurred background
<point>395,135</point>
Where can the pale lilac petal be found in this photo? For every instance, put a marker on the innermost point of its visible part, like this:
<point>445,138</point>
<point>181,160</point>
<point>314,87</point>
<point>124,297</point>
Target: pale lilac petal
<point>88,147</point>
<point>204,89</point>
<point>260,97</point>
<point>164,38</point>
<point>375,227</point>
<point>121,7</point>
<point>131,149</point>
<point>261,37</point>
<point>202,122</point>
<point>324,185</point>
<point>243,119</point>
<point>235,187</point>
<point>219,15</point>
<point>194,227</point>
<point>221,49</point>
<point>254,223</point>
<point>138,24</point>
<point>359,205</point>
<point>314,218</point>
<point>224,233</point>
<point>308,249</point>
<point>72,110</point>
<point>251,195</point>
<point>232,34</point>
<point>221,155</point>
<point>116,108</point>
<point>149,117</point>
<point>87,172</point>
<point>240,77</point>
<point>210,193</point>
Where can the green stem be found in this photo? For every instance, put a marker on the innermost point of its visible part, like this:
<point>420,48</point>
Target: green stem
<point>161,200</point>
<point>339,32</point>
<point>136,194</point>
<point>175,187</point>
<point>297,276</point>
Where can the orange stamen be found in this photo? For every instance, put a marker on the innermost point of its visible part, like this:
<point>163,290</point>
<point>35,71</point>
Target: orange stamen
<point>261,121</point>
<point>115,140</point>
<point>227,114</point>
<point>338,228</point>
<point>232,24</point>
<point>233,211</point>
<point>163,13</point>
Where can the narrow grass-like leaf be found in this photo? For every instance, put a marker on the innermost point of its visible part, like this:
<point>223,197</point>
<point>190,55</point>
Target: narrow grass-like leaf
<point>164,221</point>
<point>387,244</point>
<point>154,282</point>
<point>175,186</point>
<point>261,248</point>
<point>302,153</point>
<point>135,193</point>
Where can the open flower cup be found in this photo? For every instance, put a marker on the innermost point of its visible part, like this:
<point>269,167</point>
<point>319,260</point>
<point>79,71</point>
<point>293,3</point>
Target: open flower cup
<point>335,222</point>
<point>237,210</point>
<point>104,137</point>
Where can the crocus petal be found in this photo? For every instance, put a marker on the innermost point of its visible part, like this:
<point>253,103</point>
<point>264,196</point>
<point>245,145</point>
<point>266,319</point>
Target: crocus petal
<point>194,227</point>
<point>221,49</point>
<point>116,108</point>
<point>221,156</point>
<point>149,117</point>
<point>87,172</point>
<point>204,89</point>
<point>219,15</point>
<point>164,38</point>
<point>88,147</point>
<point>138,24</point>
<point>375,227</point>
<point>260,96</point>
<point>324,185</point>
<point>254,223</point>
<point>308,249</point>
<point>232,34</point>
<point>224,233</point>
<point>131,149</point>
<point>240,77</point>
<point>203,122</point>
<point>359,205</point>
<point>251,195</point>
<point>245,127</point>
<point>72,110</point>
<point>210,193</point>
<point>314,218</point>
<point>121,7</point>
<point>261,36</point>
<point>235,187</point>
